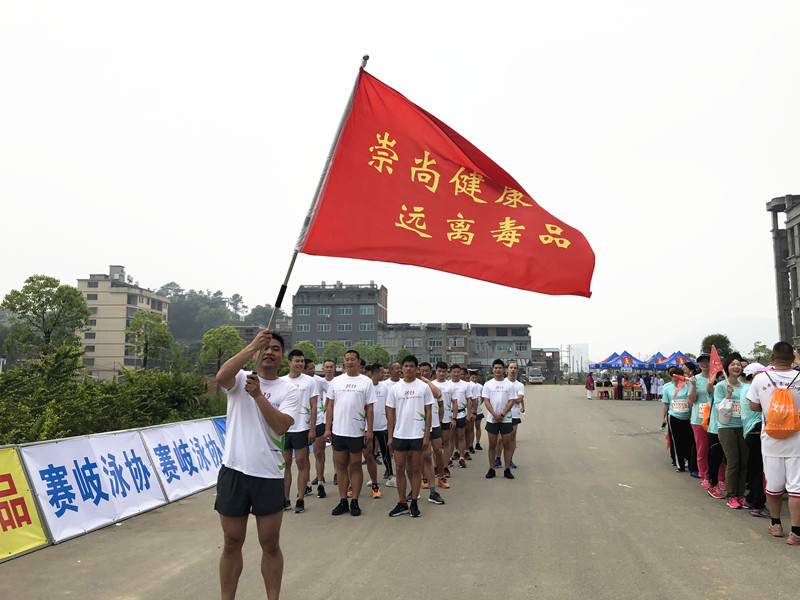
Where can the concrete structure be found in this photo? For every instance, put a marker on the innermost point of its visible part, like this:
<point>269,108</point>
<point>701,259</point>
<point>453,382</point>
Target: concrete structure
<point>348,313</point>
<point>509,341</point>
<point>786,248</point>
<point>113,300</point>
<point>548,360</point>
<point>430,342</point>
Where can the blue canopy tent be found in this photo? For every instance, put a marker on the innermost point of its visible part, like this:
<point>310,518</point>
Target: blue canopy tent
<point>655,359</point>
<point>624,360</point>
<point>676,359</point>
<point>599,365</point>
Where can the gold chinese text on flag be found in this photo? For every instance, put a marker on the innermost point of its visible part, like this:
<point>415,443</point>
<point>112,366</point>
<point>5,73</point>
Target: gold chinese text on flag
<point>403,187</point>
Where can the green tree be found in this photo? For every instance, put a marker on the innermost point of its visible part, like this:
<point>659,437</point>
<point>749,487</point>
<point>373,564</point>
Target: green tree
<point>762,354</point>
<point>219,345</point>
<point>401,354</point>
<point>193,313</point>
<point>380,355</point>
<point>45,314</point>
<point>334,351</point>
<point>209,317</point>
<point>149,335</point>
<point>261,314</point>
<point>308,350</point>
<point>365,351</point>
<point>720,341</point>
<point>170,290</point>
<point>237,305</point>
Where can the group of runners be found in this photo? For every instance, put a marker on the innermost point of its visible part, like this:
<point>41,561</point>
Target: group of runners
<point>420,420</point>
<point>733,436</point>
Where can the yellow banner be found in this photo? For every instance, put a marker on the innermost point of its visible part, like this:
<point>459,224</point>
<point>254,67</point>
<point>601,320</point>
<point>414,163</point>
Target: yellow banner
<point>20,527</point>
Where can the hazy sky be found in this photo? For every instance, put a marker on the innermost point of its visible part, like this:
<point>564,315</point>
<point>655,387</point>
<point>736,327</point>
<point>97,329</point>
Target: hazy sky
<point>185,140</point>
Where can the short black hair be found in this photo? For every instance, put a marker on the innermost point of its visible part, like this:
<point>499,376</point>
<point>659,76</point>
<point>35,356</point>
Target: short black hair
<point>351,351</point>
<point>308,362</point>
<point>375,367</point>
<point>279,337</point>
<point>412,359</point>
<point>783,351</point>
<point>294,353</point>
<point>425,364</point>
<point>441,365</point>
<point>498,361</point>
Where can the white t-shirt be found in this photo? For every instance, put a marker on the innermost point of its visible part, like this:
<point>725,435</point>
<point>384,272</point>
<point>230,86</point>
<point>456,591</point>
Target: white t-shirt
<point>461,391</point>
<point>350,396</point>
<point>760,392</point>
<point>498,393</point>
<point>322,394</point>
<point>446,387</point>
<point>306,389</point>
<point>409,401</point>
<point>251,446</point>
<point>379,408</point>
<point>519,390</point>
<point>479,396</point>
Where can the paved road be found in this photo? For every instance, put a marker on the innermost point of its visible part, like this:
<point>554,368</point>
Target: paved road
<point>596,511</point>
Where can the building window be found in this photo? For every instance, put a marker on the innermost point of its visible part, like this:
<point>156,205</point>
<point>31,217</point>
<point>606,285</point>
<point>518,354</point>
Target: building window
<point>344,327</point>
<point>457,359</point>
<point>133,299</point>
<point>89,335</point>
<point>521,346</point>
<point>435,342</point>
<point>366,310</point>
<point>415,342</point>
<point>93,310</point>
<point>321,344</point>
<point>366,326</point>
<point>89,348</point>
<point>323,311</point>
<point>390,341</point>
<point>129,362</point>
<point>91,296</point>
<point>129,351</point>
<point>367,342</point>
<point>456,342</point>
<point>347,343</point>
<point>92,322</point>
<point>323,326</point>
<point>89,362</point>
<point>302,327</point>
<point>502,347</point>
<point>345,311</point>
<point>303,311</point>
<point>434,358</point>
<point>91,284</point>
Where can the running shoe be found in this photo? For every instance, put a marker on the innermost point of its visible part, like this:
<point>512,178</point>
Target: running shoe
<point>471,450</point>
<point>695,474</point>
<point>776,530</point>
<point>308,489</point>
<point>715,492</point>
<point>315,482</point>
<point>447,473</point>
<point>490,473</point>
<point>369,482</point>
<point>321,491</point>
<point>287,504</point>
<point>349,492</point>
<point>449,463</point>
<point>386,474</point>
<point>376,492</point>
<point>793,539</point>
<point>467,456</point>
<point>744,503</point>
<point>300,506</point>
<point>391,482</point>
<point>409,497</point>
<point>760,512</point>
<point>733,503</point>
<point>455,454</point>
<point>435,498</point>
<point>478,446</point>
<point>706,483</point>
<point>414,509</point>
<point>355,510</point>
<point>462,463</point>
<point>341,508</point>
<point>508,474</point>
<point>442,483</point>
<point>497,463</point>
<point>721,485</point>
<point>513,466</point>
<point>425,484</point>
<point>400,509</point>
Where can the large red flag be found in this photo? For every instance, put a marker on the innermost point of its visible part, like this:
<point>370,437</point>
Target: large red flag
<point>403,187</point>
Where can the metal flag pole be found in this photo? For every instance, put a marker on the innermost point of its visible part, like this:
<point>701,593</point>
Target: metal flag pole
<point>315,202</point>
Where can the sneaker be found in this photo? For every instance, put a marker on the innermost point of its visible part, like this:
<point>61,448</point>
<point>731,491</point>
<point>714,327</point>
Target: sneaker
<point>376,492</point>
<point>391,482</point>
<point>497,463</point>
<point>341,508</point>
<point>386,474</point>
<point>425,484</point>
<point>400,509</point>
<point>776,530</point>
<point>490,473</point>
<point>349,492</point>
<point>369,482</point>
<point>467,456</point>
<point>455,454</point>
<point>308,489</point>
<point>695,474</point>
<point>447,473</point>
<point>435,498</point>
<point>760,512</point>
<point>706,483</point>
<point>414,510</point>
<point>442,483</point>
<point>715,492</point>
<point>513,466</point>
<point>733,503</point>
<point>744,503</point>
<point>449,463</point>
<point>321,491</point>
<point>721,485</point>
<point>462,463</point>
<point>335,479</point>
<point>478,446</point>
<point>508,474</point>
<point>471,450</point>
<point>315,482</point>
<point>355,510</point>
<point>409,497</point>
<point>793,539</point>
<point>300,506</point>
<point>287,504</point>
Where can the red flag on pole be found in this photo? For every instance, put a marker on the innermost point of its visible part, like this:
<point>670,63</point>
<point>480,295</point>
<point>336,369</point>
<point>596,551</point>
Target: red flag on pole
<point>715,366</point>
<point>403,187</point>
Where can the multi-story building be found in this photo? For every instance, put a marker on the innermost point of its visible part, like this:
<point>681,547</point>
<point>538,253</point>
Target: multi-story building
<point>548,360</point>
<point>349,313</point>
<point>786,248</point>
<point>113,299</point>
<point>508,341</point>
<point>430,342</point>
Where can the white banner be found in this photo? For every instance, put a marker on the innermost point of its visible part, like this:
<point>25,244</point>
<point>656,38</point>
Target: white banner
<point>90,482</point>
<point>187,456</point>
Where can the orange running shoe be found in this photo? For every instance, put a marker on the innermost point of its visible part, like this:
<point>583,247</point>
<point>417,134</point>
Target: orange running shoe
<point>425,485</point>
<point>349,492</point>
<point>443,483</point>
<point>376,492</point>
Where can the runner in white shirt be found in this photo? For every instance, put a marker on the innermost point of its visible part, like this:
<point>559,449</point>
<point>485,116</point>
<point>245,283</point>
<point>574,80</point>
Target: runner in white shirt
<point>380,425</point>
<point>429,458</point>
<point>349,427</point>
<point>300,435</point>
<point>461,394</point>
<point>498,398</point>
<point>408,410</point>
<point>261,409</point>
<point>329,371</point>
<point>448,408</point>
<point>469,432</point>
<point>477,410</point>
<point>517,409</point>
